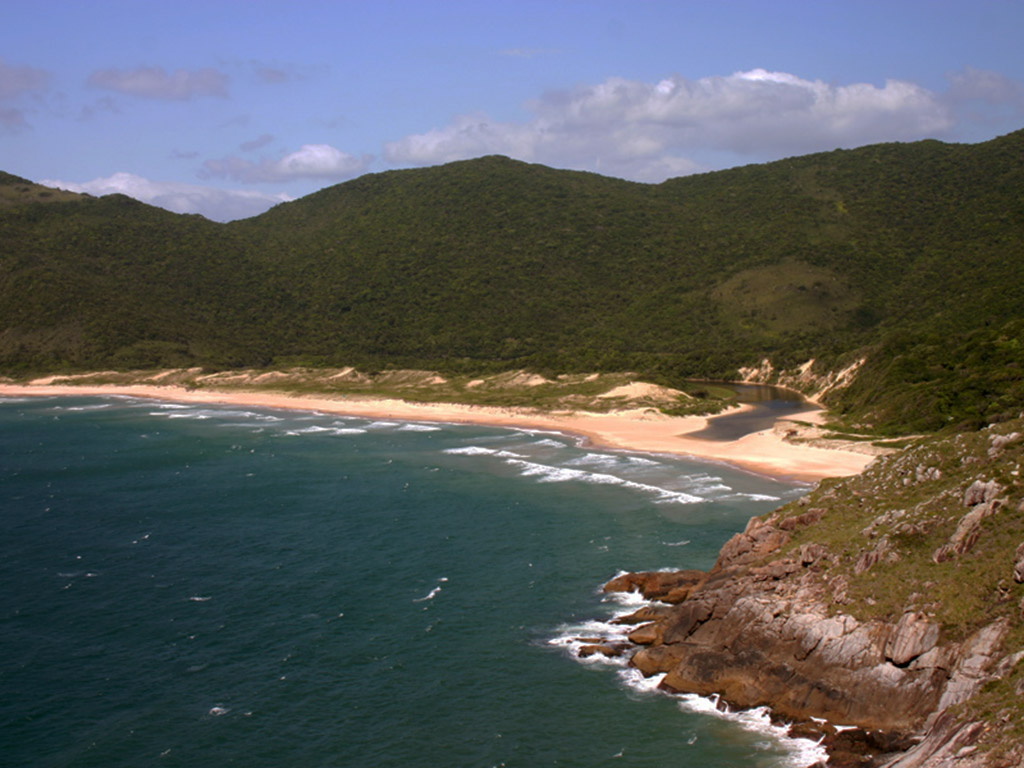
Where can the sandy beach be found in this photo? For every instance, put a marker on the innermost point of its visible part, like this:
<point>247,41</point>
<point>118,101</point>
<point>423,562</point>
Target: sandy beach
<point>765,452</point>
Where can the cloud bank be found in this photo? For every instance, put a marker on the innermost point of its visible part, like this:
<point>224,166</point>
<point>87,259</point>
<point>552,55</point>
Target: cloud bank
<point>216,204</point>
<point>650,131</point>
<point>16,82</point>
<point>311,161</point>
<point>158,83</point>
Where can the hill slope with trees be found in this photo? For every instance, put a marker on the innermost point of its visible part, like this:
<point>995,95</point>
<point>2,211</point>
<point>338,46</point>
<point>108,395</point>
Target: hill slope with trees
<point>903,258</point>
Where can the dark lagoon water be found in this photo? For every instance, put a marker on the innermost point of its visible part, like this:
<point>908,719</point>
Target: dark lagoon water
<point>202,586</point>
<point>769,403</point>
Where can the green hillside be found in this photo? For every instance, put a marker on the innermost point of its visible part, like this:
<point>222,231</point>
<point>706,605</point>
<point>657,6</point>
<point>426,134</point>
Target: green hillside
<point>907,255</point>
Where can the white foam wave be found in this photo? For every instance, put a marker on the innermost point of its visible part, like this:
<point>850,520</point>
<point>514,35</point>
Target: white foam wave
<point>548,443</point>
<point>631,600</point>
<point>641,461</point>
<point>682,543</point>
<point>479,450</point>
<point>634,679</point>
<point>382,425</point>
<point>429,596</point>
<point>471,450</point>
<point>315,429</point>
<point>710,488</point>
<point>98,407</point>
<point>549,474</point>
<point>595,460</point>
<point>572,638</point>
<point>202,414</point>
<point>757,720</point>
<point>199,599</point>
<point>434,592</point>
<point>418,428</point>
<point>612,460</point>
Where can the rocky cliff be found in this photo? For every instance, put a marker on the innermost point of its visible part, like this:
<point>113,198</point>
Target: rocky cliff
<point>892,601</point>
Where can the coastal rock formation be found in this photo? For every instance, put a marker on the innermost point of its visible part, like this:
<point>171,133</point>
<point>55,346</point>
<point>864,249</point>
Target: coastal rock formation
<point>841,608</point>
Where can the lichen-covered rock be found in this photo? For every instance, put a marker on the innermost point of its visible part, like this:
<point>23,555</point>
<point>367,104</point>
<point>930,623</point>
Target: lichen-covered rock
<point>980,491</point>
<point>764,635</point>
<point>913,636</point>
<point>981,498</point>
<point>1018,565</point>
<point>999,442</point>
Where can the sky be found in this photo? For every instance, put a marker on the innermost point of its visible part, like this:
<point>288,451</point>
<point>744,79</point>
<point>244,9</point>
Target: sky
<point>225,107</point>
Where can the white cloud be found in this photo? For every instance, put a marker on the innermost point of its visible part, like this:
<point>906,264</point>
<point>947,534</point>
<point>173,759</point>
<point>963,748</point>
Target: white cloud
<point>311,161</point>
<point>158,83</point>
<point>216,204</point>
<point>648,131</point>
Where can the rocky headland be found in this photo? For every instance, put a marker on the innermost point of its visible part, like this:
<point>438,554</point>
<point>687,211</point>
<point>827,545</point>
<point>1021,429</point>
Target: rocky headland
<point>891,602</point>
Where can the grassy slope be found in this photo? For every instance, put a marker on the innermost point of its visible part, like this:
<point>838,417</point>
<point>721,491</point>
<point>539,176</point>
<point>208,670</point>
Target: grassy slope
<point>914,502</point>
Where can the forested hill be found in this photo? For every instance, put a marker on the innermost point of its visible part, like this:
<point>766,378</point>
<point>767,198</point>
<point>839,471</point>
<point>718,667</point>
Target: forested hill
<point>910,256</point>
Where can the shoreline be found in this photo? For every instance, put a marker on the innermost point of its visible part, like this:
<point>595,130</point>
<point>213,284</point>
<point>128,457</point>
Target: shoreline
<point>644,430</point>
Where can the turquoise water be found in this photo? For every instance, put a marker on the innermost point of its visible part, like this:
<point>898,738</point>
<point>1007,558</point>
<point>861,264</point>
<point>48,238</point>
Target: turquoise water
<point>203,586</point>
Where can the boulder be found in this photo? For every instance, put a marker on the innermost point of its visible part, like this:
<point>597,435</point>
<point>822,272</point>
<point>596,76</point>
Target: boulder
<point>655,585</point>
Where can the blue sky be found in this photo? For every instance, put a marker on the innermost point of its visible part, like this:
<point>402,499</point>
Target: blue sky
<point>224,107</point>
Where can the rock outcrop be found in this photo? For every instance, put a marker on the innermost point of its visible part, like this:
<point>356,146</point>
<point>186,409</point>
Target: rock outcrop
<point>820,617</point>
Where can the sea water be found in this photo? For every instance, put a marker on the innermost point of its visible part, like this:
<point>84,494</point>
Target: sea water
<point>195,586</point>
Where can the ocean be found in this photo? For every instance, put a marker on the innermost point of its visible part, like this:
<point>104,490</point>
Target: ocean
<point>197,586</point>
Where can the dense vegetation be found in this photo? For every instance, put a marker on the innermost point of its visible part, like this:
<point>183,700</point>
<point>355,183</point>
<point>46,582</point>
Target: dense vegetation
<point>909,255</point>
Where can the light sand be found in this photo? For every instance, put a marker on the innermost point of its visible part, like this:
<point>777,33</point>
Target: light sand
<point>638,430</point>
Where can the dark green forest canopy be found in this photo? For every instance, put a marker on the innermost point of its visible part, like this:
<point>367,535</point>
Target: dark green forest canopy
<point>910,256</point>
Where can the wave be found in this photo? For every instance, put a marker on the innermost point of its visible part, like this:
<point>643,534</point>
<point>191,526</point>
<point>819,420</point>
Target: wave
<point>412,427</point>
<point>433,593</point>
<point>479,450</point>
<point>574,638</point>
<point>549,443</point>
<point>758,720</point>
<point>549,474</point>
<point>315,429</point>
<point>613,460</point>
